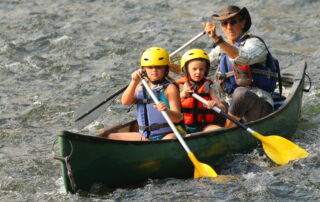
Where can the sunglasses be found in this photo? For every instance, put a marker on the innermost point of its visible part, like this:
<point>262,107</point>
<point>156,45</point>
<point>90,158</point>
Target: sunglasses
<point>231,22</point>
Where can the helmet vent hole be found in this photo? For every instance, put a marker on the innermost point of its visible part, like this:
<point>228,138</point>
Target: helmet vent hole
<point>161,58</point>
<point>146,59</point>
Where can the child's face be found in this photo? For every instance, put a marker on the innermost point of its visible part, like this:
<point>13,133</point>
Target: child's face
<point>155,73</point>
<point>197,69</point>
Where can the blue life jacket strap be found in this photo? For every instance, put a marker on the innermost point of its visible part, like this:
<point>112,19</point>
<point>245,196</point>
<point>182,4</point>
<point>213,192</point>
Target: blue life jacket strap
<point>144,101</point>
<point>146,120</point>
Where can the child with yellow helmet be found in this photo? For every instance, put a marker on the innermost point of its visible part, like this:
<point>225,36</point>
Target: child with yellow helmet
<point>195,64</point>
<point>152,125</point>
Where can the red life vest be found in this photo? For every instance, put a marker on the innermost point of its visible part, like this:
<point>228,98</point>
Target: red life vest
<point>195,114</point>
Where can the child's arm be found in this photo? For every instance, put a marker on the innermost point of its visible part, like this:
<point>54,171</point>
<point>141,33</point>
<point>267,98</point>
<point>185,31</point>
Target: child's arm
<point>215,101</point>
<point>172,95</point>
<point>184,92</point>
<point>129,95</point>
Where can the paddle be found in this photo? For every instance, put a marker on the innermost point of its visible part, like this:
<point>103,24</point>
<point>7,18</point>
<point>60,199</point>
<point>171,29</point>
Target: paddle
<point>201,169</point>
<point>95,106</point>
<point>98,104</point>
<point>277,148</point>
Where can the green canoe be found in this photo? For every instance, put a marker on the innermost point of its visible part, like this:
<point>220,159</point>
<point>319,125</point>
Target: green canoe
<point>88,161</point>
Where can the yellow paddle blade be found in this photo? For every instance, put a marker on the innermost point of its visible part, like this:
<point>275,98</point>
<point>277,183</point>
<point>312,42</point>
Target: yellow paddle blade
<point>281,150</point>
<point>201,169</point>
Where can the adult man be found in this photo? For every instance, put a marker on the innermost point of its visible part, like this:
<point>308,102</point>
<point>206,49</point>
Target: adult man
<point>247,73</point>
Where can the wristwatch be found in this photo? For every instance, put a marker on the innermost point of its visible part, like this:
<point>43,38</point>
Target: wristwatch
<point>218,42</point>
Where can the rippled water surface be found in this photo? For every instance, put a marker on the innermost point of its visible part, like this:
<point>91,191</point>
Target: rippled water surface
<point>54,55</point>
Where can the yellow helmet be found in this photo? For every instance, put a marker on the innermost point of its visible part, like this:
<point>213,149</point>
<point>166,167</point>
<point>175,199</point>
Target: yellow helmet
<point>155,56</point>
<point>194,54</point>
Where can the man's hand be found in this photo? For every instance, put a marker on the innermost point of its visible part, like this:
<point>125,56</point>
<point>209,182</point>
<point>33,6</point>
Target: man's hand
<point>210,29</point>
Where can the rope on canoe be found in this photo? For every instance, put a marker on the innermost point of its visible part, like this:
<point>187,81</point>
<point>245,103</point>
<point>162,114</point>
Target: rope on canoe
<point>65,160</point>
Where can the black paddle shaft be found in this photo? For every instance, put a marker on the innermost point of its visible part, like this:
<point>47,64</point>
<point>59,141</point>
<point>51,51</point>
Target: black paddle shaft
<point>101,103</point>
<point>222,113</point>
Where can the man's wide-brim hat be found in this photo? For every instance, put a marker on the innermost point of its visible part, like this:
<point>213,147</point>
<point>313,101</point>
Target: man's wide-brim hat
<point>230,11</point>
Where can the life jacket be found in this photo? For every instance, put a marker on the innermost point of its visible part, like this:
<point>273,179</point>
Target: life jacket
<point>151,122</point>
<point>231,76</point>
<point>196,115</point>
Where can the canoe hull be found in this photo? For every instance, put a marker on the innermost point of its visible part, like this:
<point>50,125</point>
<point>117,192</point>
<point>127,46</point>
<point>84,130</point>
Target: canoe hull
<point>110,163</point>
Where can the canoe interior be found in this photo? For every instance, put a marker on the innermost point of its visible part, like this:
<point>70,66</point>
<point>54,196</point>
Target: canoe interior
<point>93,160</point>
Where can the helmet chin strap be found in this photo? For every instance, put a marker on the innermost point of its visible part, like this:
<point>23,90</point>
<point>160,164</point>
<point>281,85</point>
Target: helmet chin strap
<point>157,81</point>
<point>197,83</point>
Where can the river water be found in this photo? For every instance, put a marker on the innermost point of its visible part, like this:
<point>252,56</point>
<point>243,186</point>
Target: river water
<point>56,54</point>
